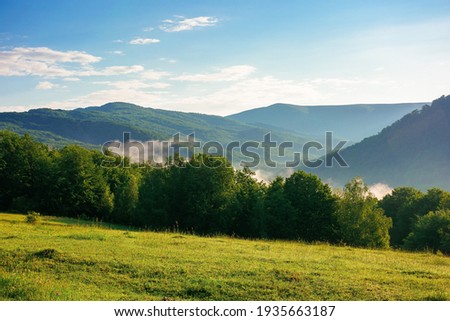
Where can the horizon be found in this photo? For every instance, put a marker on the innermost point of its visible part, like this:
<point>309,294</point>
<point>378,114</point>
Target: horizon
<point>219,58</point>
<point>227,115</point>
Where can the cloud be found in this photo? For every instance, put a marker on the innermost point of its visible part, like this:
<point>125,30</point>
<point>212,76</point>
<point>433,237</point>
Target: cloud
<point>71,79</point>
<point>240,95</point>
<point>133,84</point>
<point>41,61</point>
<point>15,108</point>
<point>100,97</point>
<point>380,190</point>
<point>148,29</point>
<point>45,62</point>
<point>143,41</point>
<point>181,23</point>
<point>45,85</point>
<point>232,73</point>
<point>154,151</point>
<point>108,71</point>
<point>132,91</point>
<point>154,74</point>
<point>48,55</point>
<point>170,61</point>
<point>116,52</point>
<point>159,85</point>
<point>116,70</point>
<point>336,82</point>
<point>118,41</point>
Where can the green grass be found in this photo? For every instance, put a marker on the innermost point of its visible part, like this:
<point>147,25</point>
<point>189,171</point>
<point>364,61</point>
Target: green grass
<point>64,259</point>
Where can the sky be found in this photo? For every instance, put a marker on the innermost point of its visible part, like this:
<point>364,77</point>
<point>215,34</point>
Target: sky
<point>221,57</point>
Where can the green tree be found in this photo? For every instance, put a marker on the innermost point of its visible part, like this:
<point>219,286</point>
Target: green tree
<point>406,205</point>
<point>279,211</point>
<point>80,186</point>
<point>124,184</point>
<point>431,232</point>
<point>208,186</point>
<point>445,202</point>
<point>401,205</point>
<point>314,207</point>
<point>361,222</point>
<point>248,217</point>
<point>198,193</point>
<point>24,167</point>
<point>152,209</point>
<point>434,199</point>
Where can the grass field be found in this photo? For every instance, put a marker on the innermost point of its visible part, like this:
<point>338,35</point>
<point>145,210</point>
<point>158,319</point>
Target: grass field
<point>63,259</point>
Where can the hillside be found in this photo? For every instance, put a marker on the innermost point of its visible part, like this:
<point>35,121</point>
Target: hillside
<point>97,125</point>
<point>64,259</point>
<point>350,122</point>
<point>413,151</point>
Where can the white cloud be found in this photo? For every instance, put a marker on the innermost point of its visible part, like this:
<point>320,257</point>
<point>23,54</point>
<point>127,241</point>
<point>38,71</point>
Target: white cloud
<point>148,29</point>
<point>181,23</point>
<point>16,108</point>
<point>118,41</point>
<point>337,82</point>
<point>169,60</point>
<point>264,176</point>
<point>71,79</point>
<point>269,175</point>
<point>246,93</point>
<point>117,70</point>
<point>100,97</point>
<point>116,52</point>
<point>159,85</point>
<point>45,62</point>
<point>108,71</point>
<point>143,41</point>
<point>133,84</point>
<point>41,61</point>
<point>232,73</point>
<point>45,85</point>
<point>48,55</point>
<point>152,74</point>
<point>380,190</point>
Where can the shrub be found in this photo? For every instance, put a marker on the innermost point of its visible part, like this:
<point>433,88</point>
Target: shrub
<point>33,217</point>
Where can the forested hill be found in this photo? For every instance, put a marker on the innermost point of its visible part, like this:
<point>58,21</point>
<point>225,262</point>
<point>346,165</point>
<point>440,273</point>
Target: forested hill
<point>414,151</point>
<point>97,125</point>
<point>351,122</point>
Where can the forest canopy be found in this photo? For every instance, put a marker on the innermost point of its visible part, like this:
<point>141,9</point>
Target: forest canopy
<point>206,195</point>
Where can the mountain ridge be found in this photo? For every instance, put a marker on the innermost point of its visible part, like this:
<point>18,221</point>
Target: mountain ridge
<point>413,151</point>
<point>352,122</point>
<point>95,125</point>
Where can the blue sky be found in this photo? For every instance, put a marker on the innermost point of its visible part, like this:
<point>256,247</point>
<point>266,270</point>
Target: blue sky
<point>221,57</point>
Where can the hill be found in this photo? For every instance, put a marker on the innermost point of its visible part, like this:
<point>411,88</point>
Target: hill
<point>66,259</point>
<point>414,151</point>
<point>96,125</point>
<point>350,122</point>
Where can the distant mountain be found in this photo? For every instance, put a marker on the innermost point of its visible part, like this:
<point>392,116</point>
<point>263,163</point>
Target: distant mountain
<point>93,126</point>
<point>414,151</point>
<point>350,122</point>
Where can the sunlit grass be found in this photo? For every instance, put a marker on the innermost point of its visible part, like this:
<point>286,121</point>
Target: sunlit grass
<point>67,259</point>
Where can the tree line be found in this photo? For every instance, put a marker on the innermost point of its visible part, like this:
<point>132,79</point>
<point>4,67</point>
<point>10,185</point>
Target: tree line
<point>205,195</point>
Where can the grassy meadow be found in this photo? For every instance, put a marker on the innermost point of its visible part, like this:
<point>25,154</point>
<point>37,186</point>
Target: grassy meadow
<point>66,259</point>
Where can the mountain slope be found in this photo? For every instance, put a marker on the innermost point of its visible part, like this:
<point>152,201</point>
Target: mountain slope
<point>97,125</point>
<point>413,151</point>
<point>350,122</point>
